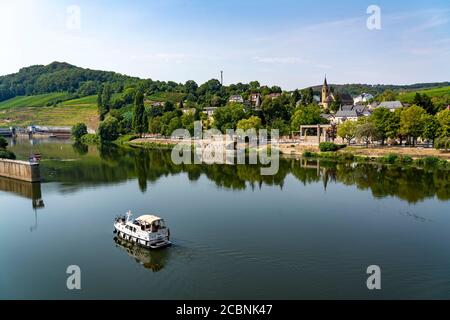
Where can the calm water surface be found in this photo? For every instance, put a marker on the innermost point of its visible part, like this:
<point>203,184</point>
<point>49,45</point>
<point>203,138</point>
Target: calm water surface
<point>309,232</point>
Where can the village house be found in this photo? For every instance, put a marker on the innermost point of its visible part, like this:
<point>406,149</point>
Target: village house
<point>188,110</point>
<point>236,99</point>
<point>274,95</point>
<point>255,100</point>
<point>351,113</point>
<point>158,104</point>
<point>363,98</point>
<point>391,105</point>
<point>209,111</point>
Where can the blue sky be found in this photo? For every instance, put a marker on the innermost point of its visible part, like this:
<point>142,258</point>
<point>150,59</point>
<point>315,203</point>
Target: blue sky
<point>285,42</point>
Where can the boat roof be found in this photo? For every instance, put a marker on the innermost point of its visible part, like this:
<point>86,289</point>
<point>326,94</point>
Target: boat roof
<point>148,218</point>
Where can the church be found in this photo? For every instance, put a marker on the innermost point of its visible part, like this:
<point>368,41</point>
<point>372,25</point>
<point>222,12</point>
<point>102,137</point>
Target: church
<point>329,97</point>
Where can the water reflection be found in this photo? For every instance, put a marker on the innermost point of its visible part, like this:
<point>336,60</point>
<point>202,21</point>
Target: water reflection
<point>24,189</point>
<point>153,260</point>
<point>111,164</point>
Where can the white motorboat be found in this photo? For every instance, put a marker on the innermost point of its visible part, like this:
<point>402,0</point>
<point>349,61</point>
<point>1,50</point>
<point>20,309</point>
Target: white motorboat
<point>148,230</point>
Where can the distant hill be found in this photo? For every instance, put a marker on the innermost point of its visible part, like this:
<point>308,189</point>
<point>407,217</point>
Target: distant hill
<point>57,77</point>
<point>357,89</point>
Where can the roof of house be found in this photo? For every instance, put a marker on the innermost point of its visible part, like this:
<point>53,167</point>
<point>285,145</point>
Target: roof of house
<point>345,97</point>
<point>390,105</point>
<point>346,114</point>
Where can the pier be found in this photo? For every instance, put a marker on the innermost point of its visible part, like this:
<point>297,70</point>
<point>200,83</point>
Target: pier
<point>20,170</point>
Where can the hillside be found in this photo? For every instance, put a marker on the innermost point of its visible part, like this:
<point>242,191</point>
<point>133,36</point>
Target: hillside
<point>432,93</point>
<point>356,89</point>
<point>58,77</point>
<point>64,94</point>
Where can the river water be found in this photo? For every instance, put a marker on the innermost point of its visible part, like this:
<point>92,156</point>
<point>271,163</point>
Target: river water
<point>310,231</point>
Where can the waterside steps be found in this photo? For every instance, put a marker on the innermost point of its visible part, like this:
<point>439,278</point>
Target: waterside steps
<point>20,170</point>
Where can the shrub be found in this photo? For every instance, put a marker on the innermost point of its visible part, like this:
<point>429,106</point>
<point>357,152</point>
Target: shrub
<point>78,131</point>
<point>3,143</point>
<point>430,161</point>
<point>405,159</point>
<point>307,154</point>
<point>328,146</point>
<point>347,156</point>
<point>390,158</point>
<point>442,143</point>
<point>108,130</point>
<point>5,154</point>
<point>90,139</point>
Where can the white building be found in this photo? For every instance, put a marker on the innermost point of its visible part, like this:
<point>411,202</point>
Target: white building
<point>236,99</point>
<point>365,97</point>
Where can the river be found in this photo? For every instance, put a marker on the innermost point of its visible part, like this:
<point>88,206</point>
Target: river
<point>310,231</point>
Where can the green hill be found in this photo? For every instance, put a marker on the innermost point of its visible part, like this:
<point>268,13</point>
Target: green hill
<point>34,101</point>
<point>408,97</point>
<point>58,77</point>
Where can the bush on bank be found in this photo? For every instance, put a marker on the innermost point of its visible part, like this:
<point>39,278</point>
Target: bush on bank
<point>330,146</point>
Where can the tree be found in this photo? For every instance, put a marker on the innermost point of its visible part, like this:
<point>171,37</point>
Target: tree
<point>307,96</point>
<point>411,124</point>
<point>140,121</point>
<point>78,131</point>
<point>187,121</point>
<point>387,95</point>
<point>381,120</point>
<point>168,106</point>
<point>393,125</point>
<point>282,126</point>
<point>424,101</point>
<point>155,125</point>
<point>104,101</point>
<point>106,96</point>
<point>337,102</point>
<point>174,124</point>
<point>308,115</point>
<point>443,118</point>
<point>253,122</point>
<point>228,117</point>
<point>430,127</point>
<point>347,130</point>
<point>366,131</point>
<point>275,109</point>
<point>108,129</point>
<point>100,105</point>
<point>296,96</point>
<point>3,143</point>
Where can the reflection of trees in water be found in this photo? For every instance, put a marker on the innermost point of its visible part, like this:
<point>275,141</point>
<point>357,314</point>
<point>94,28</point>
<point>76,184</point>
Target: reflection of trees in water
<point>150,259</point>
<point>119,164</point>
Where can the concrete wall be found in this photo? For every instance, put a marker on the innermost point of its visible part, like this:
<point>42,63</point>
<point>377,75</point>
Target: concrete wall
<point>19,170</point>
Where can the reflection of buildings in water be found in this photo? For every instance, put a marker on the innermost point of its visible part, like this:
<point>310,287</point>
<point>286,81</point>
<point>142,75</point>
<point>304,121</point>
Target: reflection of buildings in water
<point>24,189</point>
<point>30,190</point>
<point>150,259</point>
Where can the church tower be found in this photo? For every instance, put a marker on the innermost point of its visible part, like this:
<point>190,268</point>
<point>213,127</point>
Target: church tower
<point>325,94</point>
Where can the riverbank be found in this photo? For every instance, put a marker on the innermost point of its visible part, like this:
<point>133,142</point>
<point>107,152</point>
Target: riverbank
<point>404,156</point>
<point>371,152</point>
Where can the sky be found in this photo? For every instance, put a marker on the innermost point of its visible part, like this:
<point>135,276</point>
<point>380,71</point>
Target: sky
<point>290,43</point>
